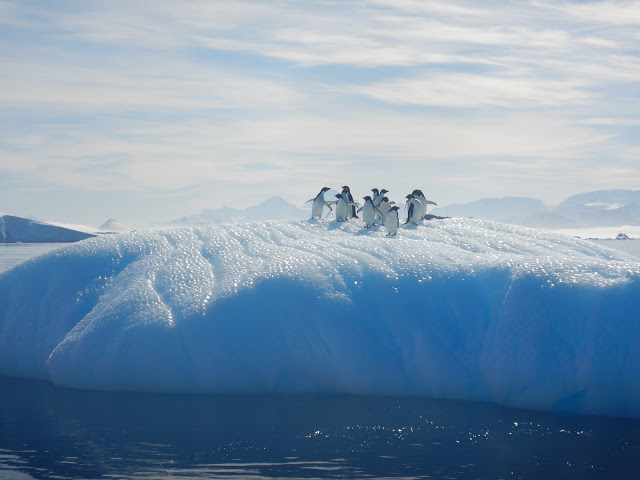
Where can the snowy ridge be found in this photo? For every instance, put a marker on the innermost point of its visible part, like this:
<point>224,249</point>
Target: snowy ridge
<point>454,308</point>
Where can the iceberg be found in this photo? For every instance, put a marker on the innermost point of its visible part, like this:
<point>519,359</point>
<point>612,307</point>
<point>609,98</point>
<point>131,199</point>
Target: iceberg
<point>453,308</point>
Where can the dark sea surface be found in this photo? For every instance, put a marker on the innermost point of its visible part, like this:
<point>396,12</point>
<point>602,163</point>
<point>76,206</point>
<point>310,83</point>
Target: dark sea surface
<point>52,433</point>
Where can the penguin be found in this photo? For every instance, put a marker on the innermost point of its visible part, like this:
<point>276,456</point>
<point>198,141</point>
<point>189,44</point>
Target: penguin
<point>415,207</point>
<point>384,207</point>
<point>375,192</point>
<point>420,196</point>
<point>368,212</point>
<point>319,203</point>
<point>378,196</point>
<point>346,194</point>
<point>342,208</point>
<point>391,222</point>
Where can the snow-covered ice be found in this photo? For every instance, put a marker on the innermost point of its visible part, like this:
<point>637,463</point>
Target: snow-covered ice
<point>456,308</point>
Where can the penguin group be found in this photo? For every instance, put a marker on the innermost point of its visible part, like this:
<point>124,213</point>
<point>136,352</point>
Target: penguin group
<point>376,207</point>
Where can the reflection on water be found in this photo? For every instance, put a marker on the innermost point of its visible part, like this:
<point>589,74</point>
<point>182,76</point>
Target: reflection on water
<point>46,432</point>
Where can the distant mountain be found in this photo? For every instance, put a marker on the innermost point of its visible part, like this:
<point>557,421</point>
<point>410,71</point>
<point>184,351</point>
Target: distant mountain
<point>605,208</point>
<point>112,225</point>
<point>275,208</point>
<point>601,208</point>
<point>602,197</point>
<point>18,229</point>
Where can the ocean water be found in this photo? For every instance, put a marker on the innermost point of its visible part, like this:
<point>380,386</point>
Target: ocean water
<point>14,253</point>
<point>52,433</point>
<point>48,432</point>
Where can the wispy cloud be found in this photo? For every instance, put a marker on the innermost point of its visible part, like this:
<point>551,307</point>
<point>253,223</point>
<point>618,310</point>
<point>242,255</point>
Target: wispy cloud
<point>473,90</point>
<point>623,13</point>
<point>258,97</point>
<point>139,82</point>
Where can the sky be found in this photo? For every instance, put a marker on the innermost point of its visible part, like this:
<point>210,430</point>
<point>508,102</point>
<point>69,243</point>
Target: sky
<point>147,111</point>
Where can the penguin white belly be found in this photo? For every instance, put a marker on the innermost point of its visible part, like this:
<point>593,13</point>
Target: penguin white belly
<point>423,205</point>
<point>419,210</point>
<point>391,222</point>
<point>342,210</point>
<point>368,214</point>
<point>384,209</point>
<point>317,207</point>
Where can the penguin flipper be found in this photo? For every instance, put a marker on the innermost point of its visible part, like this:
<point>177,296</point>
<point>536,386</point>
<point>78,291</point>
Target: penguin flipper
<point>310,200</point>
<point>359,210</point>
<point>429,202</point>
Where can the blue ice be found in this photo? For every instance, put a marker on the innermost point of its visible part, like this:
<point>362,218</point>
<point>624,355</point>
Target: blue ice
<point>455,308</point>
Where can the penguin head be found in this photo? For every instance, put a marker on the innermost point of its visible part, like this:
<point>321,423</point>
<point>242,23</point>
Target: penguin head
<point>345,189</point>
<point>375,190</point>
<point>417,192</point>
<point>367,198</point>
<point>383,191</point>
<point>409,197</point>
<point>395,208</point>
<point>385,199</point>
<point>324,189</point>
<point>338,195</point>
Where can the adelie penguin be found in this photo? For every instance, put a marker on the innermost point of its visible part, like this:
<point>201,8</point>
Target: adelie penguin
<point>346,194</point>
<point>319,203</point>
<point>384,207</point>
<point>415,207</point>
<point>391,221</point>
<point>368,212</point>
<point>378,195</point>
<point>342,208</point>
<point>424,202</point>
